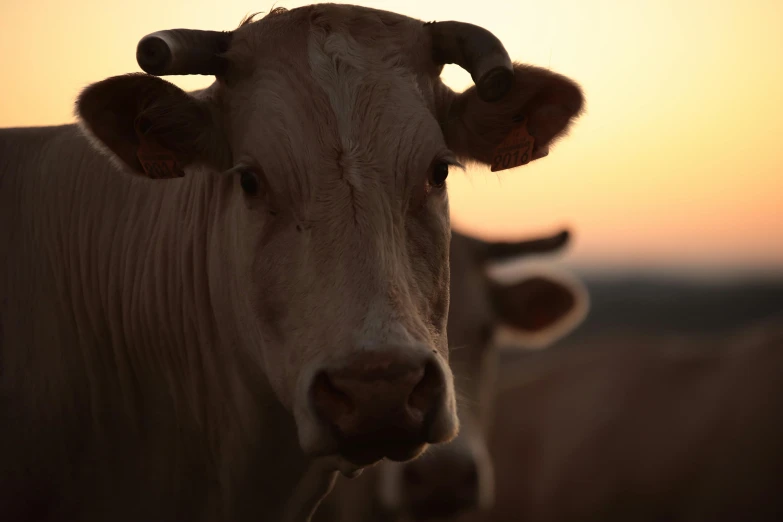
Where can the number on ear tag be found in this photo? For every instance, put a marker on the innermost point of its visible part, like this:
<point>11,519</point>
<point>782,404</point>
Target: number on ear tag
<point>515,150</point>
<point>157,161</point>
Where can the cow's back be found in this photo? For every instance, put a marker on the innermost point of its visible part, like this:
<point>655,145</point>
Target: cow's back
<point>100,420</point>
<point>42,184</point>
<point>64,372</point>
<point>53,202</point>
<point>624,429</point>
<point>742,479</point>
<point>49,177</point>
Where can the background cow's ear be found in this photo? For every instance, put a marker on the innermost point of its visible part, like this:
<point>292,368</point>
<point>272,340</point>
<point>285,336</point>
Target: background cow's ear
<point>537,309</point>
<point>141,115</point>
<point>548,101</point>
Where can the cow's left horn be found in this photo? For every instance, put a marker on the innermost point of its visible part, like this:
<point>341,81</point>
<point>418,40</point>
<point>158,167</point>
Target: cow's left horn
<point>497,251</point>
<point>183,51</point>
<point>477,51</point>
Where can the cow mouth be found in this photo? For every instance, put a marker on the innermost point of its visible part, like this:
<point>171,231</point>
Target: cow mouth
<point>365,449</point>
<point>360,453</point>
<point>440,507</point>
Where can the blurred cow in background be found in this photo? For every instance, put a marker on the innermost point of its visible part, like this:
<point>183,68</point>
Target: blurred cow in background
<point>685,428</point>
<point>458,477</point>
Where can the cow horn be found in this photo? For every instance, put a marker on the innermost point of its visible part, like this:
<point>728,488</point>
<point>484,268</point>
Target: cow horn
<point>183,51</point>
<point>497,251</point>
<point>477,51</point>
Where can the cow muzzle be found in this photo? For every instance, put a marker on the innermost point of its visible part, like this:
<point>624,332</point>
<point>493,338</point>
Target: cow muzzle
<point>380,403</point>
<point>440,485</point>
<point>451,480</point>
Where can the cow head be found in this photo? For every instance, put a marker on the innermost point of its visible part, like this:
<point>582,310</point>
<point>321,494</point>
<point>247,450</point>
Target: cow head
<point>316,166</point>
<point>458,476</point>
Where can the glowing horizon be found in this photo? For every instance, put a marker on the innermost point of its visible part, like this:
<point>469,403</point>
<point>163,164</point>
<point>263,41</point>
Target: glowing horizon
<point>674,162</point>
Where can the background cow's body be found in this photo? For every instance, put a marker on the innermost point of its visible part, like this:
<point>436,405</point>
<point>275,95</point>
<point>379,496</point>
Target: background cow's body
<point>183,348</point>
<point>684,428</point>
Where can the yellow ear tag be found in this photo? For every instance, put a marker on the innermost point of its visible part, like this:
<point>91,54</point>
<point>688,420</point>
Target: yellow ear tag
<point>157,161</point>
<point>515,150</point>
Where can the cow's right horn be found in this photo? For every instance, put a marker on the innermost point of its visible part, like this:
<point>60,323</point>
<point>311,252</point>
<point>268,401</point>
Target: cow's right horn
<point>477,51</point>
<point>183,51</point>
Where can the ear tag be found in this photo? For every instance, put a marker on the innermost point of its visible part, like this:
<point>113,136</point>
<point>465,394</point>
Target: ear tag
<point>515,150</point>
<point>157,161</point>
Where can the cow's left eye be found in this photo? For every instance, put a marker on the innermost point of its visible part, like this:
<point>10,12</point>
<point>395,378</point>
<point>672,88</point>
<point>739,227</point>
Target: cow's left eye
<point>248,180</point>
<point>440,171</point>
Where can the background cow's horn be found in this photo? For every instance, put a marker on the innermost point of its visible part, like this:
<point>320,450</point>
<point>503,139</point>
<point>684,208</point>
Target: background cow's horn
<point>500,250</point>
<point>183,51</point>
<point>477,51</point>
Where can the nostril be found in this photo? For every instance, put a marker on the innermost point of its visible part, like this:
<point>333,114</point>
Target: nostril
<point>330,402</point>
<point>427,390</point>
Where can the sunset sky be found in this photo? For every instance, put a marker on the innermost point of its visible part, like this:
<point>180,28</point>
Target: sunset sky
<point>678,161</point>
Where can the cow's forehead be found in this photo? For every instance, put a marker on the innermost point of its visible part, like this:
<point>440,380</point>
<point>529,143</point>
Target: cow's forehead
<point>326,106</point>
<point>281,34</point>
<point>361,21</point>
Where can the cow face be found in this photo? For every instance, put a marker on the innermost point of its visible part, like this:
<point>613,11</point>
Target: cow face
<point>458,476</point>
<point>316,165</point>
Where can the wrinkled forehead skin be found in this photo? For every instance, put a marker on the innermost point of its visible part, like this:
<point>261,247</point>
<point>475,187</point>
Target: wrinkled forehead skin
<point>338,96</point>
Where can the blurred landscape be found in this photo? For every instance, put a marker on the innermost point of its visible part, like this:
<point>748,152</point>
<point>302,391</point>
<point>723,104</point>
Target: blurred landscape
<point>649,303</point>
<point>633,305</point>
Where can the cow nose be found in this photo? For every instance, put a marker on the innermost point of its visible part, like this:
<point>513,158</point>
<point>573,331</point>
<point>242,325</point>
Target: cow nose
<point>381,404</point>
<point>441,485</point>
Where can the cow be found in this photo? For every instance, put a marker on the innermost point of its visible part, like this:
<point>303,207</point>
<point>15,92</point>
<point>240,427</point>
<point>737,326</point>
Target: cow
<point>457,477</point>
<point>682,428</point>
<point>213,301</point>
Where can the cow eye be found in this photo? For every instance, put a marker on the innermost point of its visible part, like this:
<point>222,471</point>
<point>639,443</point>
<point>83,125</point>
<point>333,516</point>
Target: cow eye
<point>248,180</point>
<point>440,171</point>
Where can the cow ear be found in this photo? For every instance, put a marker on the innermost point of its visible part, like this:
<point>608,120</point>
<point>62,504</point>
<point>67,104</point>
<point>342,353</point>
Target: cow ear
<point>538,309</point>
<point>152,126</point>
<point>541,101</point>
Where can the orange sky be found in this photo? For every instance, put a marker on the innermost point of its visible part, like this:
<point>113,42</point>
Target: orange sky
<point>676,162</point>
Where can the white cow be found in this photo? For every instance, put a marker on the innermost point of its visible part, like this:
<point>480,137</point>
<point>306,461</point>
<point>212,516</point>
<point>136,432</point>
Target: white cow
<point>204,292</point>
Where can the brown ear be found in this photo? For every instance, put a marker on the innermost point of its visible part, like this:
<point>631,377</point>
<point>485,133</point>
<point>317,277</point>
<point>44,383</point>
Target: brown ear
<point>138,111</point>
<point>535,303</point>
<point>548,102</point>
